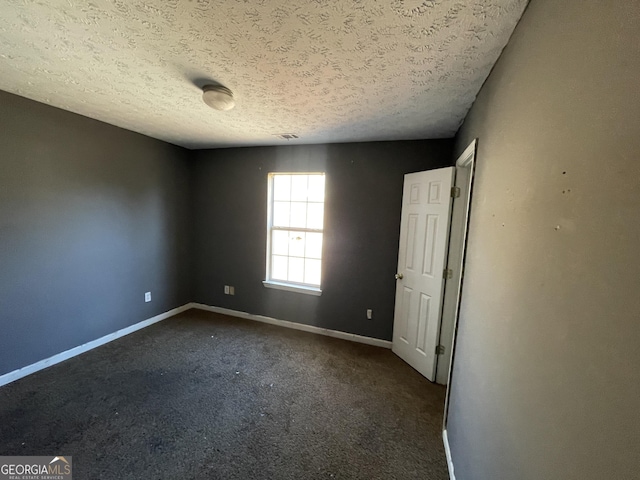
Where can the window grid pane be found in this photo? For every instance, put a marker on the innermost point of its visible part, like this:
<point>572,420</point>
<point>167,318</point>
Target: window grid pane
<point>279,267</point>
<point>296,270</point>
<point>282,187</point>
<point>281,214</point>
<point>298,215</point>
<point>297,204</point>
<point>313,245</point>
<point>296,243</point>
<point>280,242</point>
<point>315,215</point>
<point>299,188</point>
<point>312,271</point>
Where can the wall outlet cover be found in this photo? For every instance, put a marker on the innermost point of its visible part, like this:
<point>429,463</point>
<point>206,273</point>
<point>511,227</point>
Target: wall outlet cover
<point>147,297</point>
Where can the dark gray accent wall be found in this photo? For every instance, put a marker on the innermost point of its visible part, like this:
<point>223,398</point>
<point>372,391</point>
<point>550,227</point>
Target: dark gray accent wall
<point>546,376</point>
<point>362,223</point>
<point>91,217</point>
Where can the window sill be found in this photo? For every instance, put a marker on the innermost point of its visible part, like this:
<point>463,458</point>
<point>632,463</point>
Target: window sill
<point>292,288</point>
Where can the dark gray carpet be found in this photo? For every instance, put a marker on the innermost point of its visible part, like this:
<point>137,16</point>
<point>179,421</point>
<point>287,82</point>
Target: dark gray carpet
<point>204,396</point>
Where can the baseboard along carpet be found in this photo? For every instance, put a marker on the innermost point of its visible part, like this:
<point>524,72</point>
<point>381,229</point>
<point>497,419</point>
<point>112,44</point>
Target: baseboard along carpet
<point>206,396</point>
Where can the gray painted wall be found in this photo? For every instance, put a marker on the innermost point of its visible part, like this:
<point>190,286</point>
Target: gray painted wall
<point>362,222</point>
<point>546,380</point>
<point>91,217</point>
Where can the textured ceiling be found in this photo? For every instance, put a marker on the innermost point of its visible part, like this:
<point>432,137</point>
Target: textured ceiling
<point>328,71</point>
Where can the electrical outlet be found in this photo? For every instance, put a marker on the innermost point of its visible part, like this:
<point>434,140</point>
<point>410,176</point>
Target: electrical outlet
<point>369,314</point>
<point>226,289</point>
<point>147,297</point>
<point>232,291</point>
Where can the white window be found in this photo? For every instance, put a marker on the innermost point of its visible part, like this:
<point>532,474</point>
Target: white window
<point>294,232</point>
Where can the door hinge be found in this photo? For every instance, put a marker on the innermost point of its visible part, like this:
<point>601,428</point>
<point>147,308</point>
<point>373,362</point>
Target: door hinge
<point>447,274</point>
<point>439,349</point>
<point>455,192</point>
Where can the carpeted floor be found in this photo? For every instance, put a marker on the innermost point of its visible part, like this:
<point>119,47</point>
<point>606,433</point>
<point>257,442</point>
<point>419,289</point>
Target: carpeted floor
<point>204,396</point>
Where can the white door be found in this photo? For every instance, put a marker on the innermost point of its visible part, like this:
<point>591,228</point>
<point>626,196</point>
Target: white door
<point>424,237</point>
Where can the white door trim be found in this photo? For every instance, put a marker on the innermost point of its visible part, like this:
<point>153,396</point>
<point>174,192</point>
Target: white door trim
<point>455,259</point>
<point>447,452</point>
<point>466,160</point>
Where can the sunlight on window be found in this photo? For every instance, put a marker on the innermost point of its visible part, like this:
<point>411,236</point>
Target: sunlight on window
<point>296,221</point>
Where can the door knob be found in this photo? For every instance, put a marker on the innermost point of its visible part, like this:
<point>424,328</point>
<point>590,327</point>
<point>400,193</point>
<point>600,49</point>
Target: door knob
<point>399,276</point>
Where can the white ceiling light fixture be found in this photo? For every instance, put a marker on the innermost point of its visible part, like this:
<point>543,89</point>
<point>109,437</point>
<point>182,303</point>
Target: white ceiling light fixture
<point>218,97</point>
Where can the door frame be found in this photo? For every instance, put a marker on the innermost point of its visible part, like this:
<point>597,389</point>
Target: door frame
<point>467,160</point>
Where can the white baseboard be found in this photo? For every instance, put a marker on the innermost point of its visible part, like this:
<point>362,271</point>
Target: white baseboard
<point>447,452</point>
<point>296,326</point>
<point>60,357</point>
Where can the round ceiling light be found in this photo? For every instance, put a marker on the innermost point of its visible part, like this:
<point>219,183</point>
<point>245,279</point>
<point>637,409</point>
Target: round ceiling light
<point>218,97</point>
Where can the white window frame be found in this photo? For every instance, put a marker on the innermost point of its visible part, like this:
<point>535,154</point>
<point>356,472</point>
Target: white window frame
<point>279,284</point>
